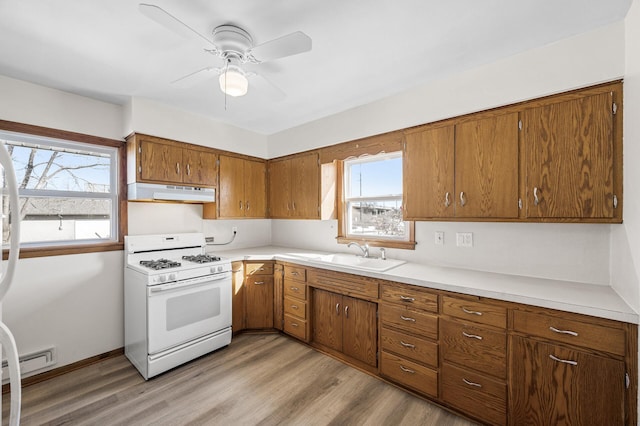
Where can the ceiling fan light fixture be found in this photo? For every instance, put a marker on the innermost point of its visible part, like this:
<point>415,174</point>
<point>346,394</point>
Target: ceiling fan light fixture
<point>233,82</point>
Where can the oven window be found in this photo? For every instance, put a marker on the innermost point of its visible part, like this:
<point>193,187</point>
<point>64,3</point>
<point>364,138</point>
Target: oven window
<point>192,308</point>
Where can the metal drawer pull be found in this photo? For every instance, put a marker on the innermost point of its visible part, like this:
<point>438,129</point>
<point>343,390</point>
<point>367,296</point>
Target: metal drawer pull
<point>407,299</point>
<point>565,361</point>
<point>294,288</point>
<point>407,319</point>
<point>472,336</point>
<point>555,330</point>
<point>294,307</point>
<point>467,311</point>
<point>337,309</point>
<point>346,311</point>
<point>478,385</point>
<point>407,370</point>
<point>259,282</point>
<point>407,345</point>
<point>293,324</point>
<point>294,273</point>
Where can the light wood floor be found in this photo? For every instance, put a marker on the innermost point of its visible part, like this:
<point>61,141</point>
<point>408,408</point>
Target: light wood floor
<point>260,379</point>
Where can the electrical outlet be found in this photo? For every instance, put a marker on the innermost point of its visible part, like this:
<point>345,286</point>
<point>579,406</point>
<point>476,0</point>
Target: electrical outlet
<point>439,238</point>
<point>234,229</point>
<point>464,239</point>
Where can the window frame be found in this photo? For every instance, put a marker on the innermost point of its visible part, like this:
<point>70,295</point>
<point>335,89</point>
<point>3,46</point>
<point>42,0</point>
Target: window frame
<point>344,237</point>
<point>121,209</point>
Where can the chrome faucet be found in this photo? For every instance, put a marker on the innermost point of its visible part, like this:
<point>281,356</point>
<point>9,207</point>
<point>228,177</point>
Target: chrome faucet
<point>364,248</point>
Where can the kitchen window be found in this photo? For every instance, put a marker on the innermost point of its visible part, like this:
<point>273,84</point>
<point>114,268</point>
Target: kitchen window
<point>372,201</point>
<point>69,194</point>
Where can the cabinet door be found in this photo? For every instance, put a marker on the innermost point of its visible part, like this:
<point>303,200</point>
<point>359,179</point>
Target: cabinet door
<point>555,385</point>
<point>327,319</point>
<point>280,189</point>
<point>428,174</point>
<point>231,187</point>
<point>199,167</point>
<point>255,189</point>
<point>305,187</point>
<point>486,176</point>
<point>569,158</point>
<point>160,162</point>
<point>259,307</point>
<point>238,297</point>
<point>359,330</point>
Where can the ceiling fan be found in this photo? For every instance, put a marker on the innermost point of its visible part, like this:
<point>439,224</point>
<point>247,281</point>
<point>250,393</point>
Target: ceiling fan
<point>235,46</point>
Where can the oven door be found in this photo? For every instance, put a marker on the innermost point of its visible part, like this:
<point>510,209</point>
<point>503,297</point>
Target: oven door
<point>185,310</point>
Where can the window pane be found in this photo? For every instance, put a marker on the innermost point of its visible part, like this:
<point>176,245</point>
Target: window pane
<point>375,178</point>
<point>63,170</point>
<point>376,218</point>
<point>61,219</point>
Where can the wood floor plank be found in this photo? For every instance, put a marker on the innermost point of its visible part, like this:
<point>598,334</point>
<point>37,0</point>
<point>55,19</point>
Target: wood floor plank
<point>261,379</point>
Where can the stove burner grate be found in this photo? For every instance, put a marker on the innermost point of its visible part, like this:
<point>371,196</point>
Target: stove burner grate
<point>201,258</point>
<point>160,264</point>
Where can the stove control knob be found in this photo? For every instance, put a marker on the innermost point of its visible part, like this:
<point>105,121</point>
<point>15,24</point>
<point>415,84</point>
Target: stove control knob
<point>162,278</point>
<point>173,276</point>
<point>219,268</point>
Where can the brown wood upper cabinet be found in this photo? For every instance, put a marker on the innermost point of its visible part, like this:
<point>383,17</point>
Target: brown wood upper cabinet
<point>294,187</point>
<point>242,189</point>
<point>466,170</point>
<point>569,158</point>
<point>159,160</point>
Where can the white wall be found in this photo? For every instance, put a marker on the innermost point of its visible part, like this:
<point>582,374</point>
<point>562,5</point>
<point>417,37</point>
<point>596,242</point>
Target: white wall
<point>155,119</point>
<point>572,252</point>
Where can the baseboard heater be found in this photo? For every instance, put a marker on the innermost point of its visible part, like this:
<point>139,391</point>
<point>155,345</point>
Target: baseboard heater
<point>32,362</point>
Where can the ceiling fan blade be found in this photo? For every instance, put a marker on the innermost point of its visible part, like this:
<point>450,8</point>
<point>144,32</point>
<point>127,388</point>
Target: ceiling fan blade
<point>196,77</point>
<point>169,21</point>
<point>287,45</point>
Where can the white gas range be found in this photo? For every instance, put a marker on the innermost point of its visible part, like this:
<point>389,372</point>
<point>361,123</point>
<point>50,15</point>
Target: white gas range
<point>177,301</point>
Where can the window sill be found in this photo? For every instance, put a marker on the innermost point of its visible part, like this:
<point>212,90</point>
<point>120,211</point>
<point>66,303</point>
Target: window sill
<point>26,253</point>
<point>406,245</point>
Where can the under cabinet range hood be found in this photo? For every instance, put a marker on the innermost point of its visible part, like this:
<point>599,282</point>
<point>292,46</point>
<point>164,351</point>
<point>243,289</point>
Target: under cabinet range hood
<point>156,192</point>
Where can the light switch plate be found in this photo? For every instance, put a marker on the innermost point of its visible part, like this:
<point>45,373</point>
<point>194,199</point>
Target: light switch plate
<point>439,238</point>
<point>464,239</point>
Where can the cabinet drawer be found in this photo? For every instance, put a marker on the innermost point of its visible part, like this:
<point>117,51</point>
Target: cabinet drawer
<point>474,347</point>
<point>409,374</point>
<point>411,320</point>
<point>295,289</point>
<point>410,296</point>
<point>295,327</point>
<point>259,280</point>
<point>297,273</point>
<point>475,311</point>
<point>408,346</point>
<point>341,283</point>
<point>258,268</point>
<point>593,336</point>
<point>295,307</point>
<point>475,394</point>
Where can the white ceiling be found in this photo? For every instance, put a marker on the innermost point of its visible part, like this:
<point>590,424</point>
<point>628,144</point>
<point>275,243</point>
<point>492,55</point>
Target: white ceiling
<point>363,50</point>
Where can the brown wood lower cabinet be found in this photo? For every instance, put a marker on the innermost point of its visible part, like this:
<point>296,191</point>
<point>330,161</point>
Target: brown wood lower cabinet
<point>552,384</point>
<point>345,324</point>
<point>258,295</point>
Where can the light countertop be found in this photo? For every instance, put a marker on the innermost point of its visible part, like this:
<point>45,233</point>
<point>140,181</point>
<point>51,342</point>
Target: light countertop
<point>589,299</point>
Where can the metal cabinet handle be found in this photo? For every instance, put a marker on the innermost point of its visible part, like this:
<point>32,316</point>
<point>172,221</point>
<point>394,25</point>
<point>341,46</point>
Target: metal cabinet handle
<point>178,168</point>
<point>337,309</point>
<point>472,336</point>
<point>478,385</point>
<point>467,311</point>
<point>240,205</point>
<point>564,361</point>
<point>447,201</point>
<point>346,311</point>
<point>407,370</point>
<point>294,324</point>
<point>536,201</point>
<point>407,345</point>
<point>294,307</point>
<point>407,299</point>
<point>188,170</point>
<point>463,201</point>
<point>295,273</point>
<point>246,206</point>
<point>294,288</point>
<point>555,330</point>
<point>259,282</point>
<point>294,205</point>
<point>407,318</point>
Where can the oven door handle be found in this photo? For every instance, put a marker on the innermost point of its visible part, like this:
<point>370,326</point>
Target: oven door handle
<point>189,284</point>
